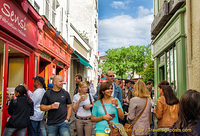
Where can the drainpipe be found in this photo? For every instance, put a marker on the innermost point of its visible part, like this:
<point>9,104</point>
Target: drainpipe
<point>189,42</point>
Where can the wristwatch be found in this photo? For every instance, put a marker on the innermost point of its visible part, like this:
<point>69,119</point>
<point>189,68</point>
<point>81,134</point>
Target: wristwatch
<point>68,120</point>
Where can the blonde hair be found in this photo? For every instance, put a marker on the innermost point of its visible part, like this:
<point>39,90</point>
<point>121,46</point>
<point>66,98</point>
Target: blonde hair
<point>140,90</point>
<point>81,84</point>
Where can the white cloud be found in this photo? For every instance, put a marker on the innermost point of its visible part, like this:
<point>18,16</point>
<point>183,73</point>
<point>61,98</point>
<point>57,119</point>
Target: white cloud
<point>118,4</point>
<point>125,30</point>
<point>143,12</point>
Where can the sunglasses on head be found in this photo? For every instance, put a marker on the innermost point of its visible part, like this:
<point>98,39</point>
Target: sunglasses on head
<point>111,76</point>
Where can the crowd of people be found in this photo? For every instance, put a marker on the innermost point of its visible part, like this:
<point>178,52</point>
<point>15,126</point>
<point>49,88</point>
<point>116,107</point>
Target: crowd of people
<point>114,104</point>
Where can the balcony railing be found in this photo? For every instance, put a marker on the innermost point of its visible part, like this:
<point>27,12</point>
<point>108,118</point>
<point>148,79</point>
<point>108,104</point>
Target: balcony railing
<point>165,13</point>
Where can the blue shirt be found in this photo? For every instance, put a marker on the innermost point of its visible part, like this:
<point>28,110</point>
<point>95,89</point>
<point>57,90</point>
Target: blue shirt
<point>98,111</point>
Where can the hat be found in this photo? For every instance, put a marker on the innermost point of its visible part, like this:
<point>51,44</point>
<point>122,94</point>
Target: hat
<point>39,78</point>
<point>50,85</point>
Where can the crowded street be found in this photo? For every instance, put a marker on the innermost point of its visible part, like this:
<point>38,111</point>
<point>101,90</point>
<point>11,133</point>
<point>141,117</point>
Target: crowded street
<point>99,68</point>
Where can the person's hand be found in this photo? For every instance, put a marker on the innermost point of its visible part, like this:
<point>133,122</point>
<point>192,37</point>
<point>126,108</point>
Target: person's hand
<point>66,120</point>
<point>54,106</point>
<point>82,98</point>
<point>25,86</point>
<point>115,102</point>
<point>87,107</point>
<point>107,117</point>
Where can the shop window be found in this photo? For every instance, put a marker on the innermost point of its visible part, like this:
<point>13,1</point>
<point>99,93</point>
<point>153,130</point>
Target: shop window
<point>172,68</point>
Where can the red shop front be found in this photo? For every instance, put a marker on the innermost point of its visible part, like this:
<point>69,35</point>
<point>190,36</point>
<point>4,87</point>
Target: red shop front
<point>53,56</point>
<point>19,25</point>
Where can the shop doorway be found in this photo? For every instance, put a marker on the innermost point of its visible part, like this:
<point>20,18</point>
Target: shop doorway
<point>43,69</point>
<point>161,73</point>
<point>13,71</point>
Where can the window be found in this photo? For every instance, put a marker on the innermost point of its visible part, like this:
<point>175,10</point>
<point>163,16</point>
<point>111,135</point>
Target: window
<point>47,9</point>
<point>36,6</point>
<point>61,20</point>
<point>172,68</point>
<point>53,12</point>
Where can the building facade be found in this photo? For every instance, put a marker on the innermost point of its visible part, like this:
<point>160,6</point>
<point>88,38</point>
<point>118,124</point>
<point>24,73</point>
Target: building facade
<point>175,44</point>
<point>83,19</point>
<point>30,45</point>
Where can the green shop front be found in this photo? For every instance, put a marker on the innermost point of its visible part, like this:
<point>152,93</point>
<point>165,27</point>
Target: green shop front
<point>169,54</point>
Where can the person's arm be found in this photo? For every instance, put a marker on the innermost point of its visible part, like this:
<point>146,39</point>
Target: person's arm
<point>69,107</point>
<point>119,109</point>
<point>131,110</point>
<point>96,95</point>
<point>44,105</point>
<point>158,111</point>
<point>76,103</point>
<point>120,95</point>
<point>69,112</point>
<point>10,107</point>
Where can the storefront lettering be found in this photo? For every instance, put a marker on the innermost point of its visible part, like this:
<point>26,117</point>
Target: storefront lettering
<point>13,17</point>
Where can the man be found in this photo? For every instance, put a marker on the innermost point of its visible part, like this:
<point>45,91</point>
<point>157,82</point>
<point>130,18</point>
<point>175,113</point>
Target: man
<point>149,87</point>
<point>59,106</point>
<point>127,95</point>
<point>36,96</point>
<point>78,79</point>
<point>116,89</point>
<point>132,85</point>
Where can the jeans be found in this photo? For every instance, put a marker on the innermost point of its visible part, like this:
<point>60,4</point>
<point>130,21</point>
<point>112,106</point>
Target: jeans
<point>43,128</point>
<point>61,129</point>
<point>34,128</point>
<point>10,131</point>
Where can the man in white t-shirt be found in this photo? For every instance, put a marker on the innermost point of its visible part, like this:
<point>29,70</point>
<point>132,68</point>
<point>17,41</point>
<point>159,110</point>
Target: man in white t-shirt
<point>34,128</point>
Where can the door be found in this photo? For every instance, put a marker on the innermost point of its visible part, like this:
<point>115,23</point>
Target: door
<point>15,72</point>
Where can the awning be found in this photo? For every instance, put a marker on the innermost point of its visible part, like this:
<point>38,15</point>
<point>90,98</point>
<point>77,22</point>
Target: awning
<point>82,61</point>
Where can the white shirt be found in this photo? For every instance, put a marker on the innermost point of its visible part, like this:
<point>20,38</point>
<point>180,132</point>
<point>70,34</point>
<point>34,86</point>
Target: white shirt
<point>81,112</point>
<point>113,84</point>
<point>36,97</point>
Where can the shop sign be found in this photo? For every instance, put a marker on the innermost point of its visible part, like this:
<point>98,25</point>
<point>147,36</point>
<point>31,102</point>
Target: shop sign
<point>15,20</point>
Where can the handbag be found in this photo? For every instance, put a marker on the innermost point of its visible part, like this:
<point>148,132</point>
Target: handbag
<point>128,127</point>
<point>114,131</point>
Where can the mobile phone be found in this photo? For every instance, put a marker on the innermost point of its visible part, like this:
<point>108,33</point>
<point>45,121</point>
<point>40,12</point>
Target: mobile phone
<point>112,115</point>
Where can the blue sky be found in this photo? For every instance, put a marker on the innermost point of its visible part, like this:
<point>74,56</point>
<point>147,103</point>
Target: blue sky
<point>124,23</point>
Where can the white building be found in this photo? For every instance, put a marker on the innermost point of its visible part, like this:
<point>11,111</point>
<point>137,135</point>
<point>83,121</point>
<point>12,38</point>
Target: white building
<point>77,22</point>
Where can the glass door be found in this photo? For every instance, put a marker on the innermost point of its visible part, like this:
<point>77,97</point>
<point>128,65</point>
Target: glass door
<point>2,51</point>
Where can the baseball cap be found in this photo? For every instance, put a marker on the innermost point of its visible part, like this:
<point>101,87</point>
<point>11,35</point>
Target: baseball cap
<point>39,78</point>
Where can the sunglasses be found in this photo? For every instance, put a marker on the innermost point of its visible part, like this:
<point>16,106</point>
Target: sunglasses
<point>111,76</point>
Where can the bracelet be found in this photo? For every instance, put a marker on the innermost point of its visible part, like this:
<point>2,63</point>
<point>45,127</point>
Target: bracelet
<point>102,118</point>
<point>118,107</point>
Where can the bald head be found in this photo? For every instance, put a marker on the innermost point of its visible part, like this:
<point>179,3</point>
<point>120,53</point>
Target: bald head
<point>57,82</point>
<point>110,76</point>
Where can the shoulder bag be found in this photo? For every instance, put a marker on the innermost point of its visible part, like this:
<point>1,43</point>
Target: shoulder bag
<point>128,127</point>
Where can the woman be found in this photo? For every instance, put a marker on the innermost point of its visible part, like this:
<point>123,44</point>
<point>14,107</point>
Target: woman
<point>20,110</point>
<point>167,108</point>
<point>82,104</point>
<point>189,115</point>
<point>141,102</point>
<point>126,95</point>
<point>112,106</point>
